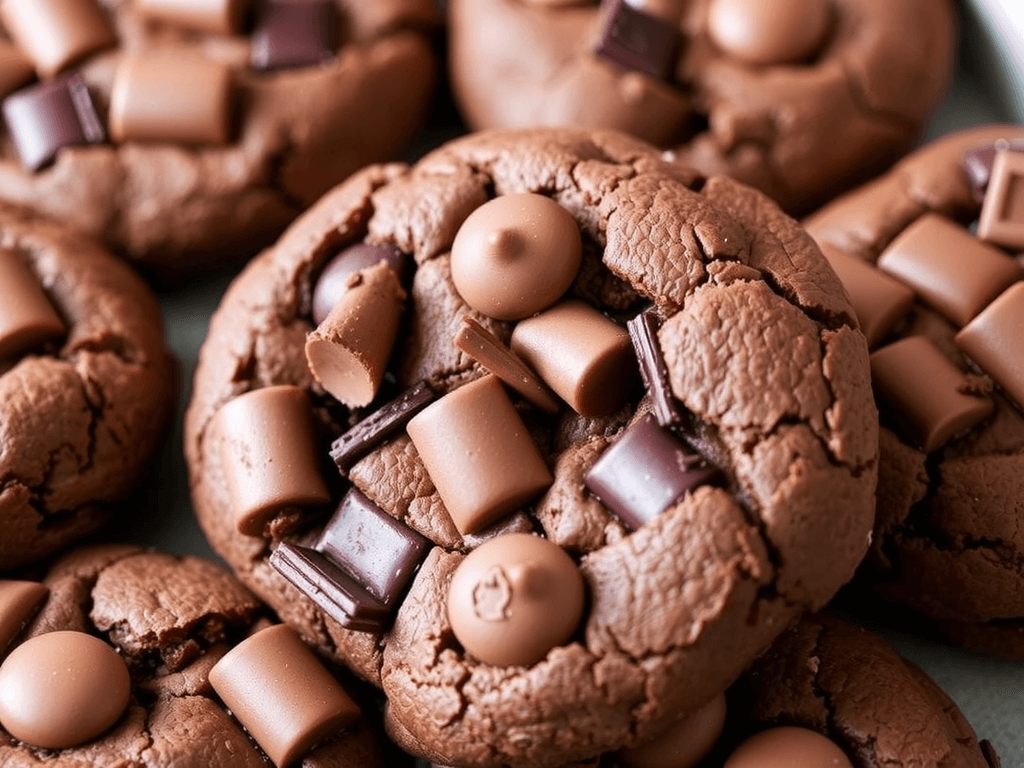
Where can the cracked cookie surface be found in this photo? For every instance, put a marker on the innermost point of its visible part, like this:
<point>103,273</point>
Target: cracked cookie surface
<point>762,350</point>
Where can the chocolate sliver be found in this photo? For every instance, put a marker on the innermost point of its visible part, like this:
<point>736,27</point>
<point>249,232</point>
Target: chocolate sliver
<point>645,471</point>
<point>380,425</point>
<point>637,40</point>
<point>484,347</point>
<point>643,332</point>
<point>300,33</point>
<point>339,595</point>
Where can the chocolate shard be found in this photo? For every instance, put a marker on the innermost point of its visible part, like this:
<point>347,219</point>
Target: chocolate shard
<point>372,431</point>
<point>638,40</point>
<point>645,471</point>
<point>380,551</point>
<point>643,332</point>
<point>339,595</point>
<point>299,33</point>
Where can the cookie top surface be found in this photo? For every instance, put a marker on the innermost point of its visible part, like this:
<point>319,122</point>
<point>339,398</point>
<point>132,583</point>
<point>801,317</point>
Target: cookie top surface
<point>86,396</point>
<point>947,538</point>
<point>786,419</point>
<point>800,113</point>
<point>168,620</point>
<point>210,173</point>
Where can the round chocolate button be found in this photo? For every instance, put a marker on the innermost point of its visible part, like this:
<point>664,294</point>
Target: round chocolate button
<point>514,598</point>
<point>788,746</point>
<point>780,32</point>
<point>62,689</point>
<point>516,255</point>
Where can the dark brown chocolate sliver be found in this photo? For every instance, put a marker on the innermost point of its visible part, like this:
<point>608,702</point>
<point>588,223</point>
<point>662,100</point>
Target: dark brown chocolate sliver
<point>380,425</point>
<point>298,33</point>
<point>378,550</point>
<point>637,40</point>
<point>338,594</point>
<point>645,471</point>
<point>977,162</point>
<point>643,332</point>
<point>45,118</point>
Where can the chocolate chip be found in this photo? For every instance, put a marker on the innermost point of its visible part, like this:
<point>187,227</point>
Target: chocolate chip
<point>295,34</point>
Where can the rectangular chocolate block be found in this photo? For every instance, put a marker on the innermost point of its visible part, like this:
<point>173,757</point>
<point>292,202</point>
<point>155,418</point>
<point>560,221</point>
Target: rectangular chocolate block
<point>299,33</point>
<point>1002,213</point>
<point>637,40</point>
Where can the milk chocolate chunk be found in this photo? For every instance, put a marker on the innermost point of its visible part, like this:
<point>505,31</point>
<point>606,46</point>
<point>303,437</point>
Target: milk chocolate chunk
<point>583,356</point>
<point>947,267</point>
<point>269,455</point>
<point>298,33</point>
<point>759,33</point>
<point>334,278</point>
<point>516,255</point>
<point>62,689</point>
<point>787,746</point>
<point>643,333</point>
<point>19,601</point>
<point>44,119</point>
<point>977,162</point>
<point>878,299</point>
<point>514,598</point>
<point>684,744</point>
<point>282,694</point>
<point>645,471</point>
<point>27,318</point>
<point>479,454</point>
<point>218,16</point>
<point>1002,213</point>
<point>348,352</point>
<point>156,98</point>
<point>637,40</point>
<point>16,69</point>
<point>57,33</point>
<point>995,341</point>
<point>380,425</point>
<point>926,392</point>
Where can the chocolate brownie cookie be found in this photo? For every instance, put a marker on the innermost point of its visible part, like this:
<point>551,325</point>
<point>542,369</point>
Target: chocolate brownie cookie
<point>940,302</point>
<point>86,384</point>
<point>261,107</point>
<point>131,657</point>
<point>800,98</point>
<point>488,467</point>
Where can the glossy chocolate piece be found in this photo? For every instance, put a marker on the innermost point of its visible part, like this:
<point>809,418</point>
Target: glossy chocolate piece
<point>223,17</point>
<point>516,255</point>
<point>948,268</point>
<point>645,471</point>
<point>57,33</point>
<point>348,352</point>
<point>684,744</point>
<point>764,34</point>
<point>269,455</point>
<point>583,356</point>
<point>479,454</point>
<point>926,392</point>
<point>27,318</point>
<point>299,33</point>
<point>380,425</point>
<point>44,119</point>
<point>378,550</point>
<point>62,689</point>
<point>995,341</point>
<point>484,347</point>
<point>328,585</point>
<point>977,162</point>
<point>514,598</point>
<point>278,689</point>
<point>637,40</point>
<point>19,602</point>
<point>1002,213</point>
<point>643,333</point>
<point>334,278</point>
<point>16,69</point>
<point>787,746</point>
<point>185,101</point>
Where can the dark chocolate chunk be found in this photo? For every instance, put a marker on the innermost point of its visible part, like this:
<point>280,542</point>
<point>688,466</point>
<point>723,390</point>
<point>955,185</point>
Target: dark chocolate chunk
<point>339,595</point>
<point>643,332</point>
<point>299,33</point>
<point>380,425</point>
<point>381,552</point>
<point>334,279</point>
<point>645,471</point>
<point>977,162</point>
<point>45,118</point>
<point>637,40</point>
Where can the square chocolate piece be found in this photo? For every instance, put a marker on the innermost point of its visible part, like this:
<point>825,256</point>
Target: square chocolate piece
<point>1002,213</point>
<point>638,40</point>
<point>297,33</point>
<point>977,162</point>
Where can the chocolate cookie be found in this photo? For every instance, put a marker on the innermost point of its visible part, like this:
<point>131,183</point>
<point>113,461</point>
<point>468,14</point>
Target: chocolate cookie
<point>135,641</point>
<point>933,296</point>
<point>262,107</point>
<point>86,384</point>
<point>464,506</point>
<point>801,98</point>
